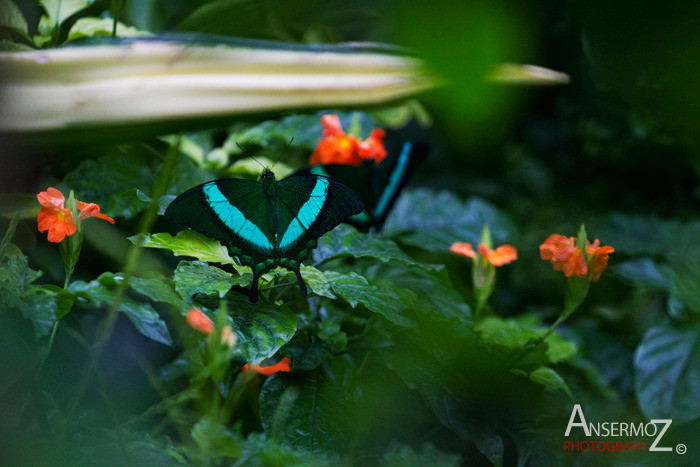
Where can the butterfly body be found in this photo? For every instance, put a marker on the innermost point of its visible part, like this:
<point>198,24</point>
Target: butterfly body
<point>266,224</point>
<point>378,184</point>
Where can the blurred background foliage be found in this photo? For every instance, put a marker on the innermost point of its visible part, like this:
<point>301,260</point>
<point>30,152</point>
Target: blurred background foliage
<point>615,149</point>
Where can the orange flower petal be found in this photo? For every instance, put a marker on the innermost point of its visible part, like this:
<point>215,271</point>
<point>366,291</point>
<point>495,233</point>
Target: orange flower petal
<point>502,255</point>
<point>463,249</point>
<point>331,125</point>
<point>59,223</point>
<point>199,321</point>
<point>51,198</point>
<point>92,210</point>
<point>282,365</point>
<point>373,147</point>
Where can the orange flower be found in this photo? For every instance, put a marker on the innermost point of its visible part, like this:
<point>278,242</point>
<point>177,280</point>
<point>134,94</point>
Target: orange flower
<point>282,365</point>
<point>337,147</point>
<point>464,249</point>
<point>565,256</point>
<point>57,218</point>
<point>54,216</point>
<point>199,321</point>
<point>598,258</point>
<point>502,255</point>
<point>373,147</point>
<point>202,323</point>
<point>92,210</point>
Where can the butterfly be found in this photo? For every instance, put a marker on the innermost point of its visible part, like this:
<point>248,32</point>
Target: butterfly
<point>266,223</point>
<point>378,184</point>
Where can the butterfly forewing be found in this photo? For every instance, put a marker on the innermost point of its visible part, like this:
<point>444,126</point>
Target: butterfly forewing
<point>310,206</point>
<point>233,211</point>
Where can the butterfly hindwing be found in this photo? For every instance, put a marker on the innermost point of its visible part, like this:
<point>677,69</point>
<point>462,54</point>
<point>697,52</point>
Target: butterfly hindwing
<point>378,185</point>
<point>392,174</point>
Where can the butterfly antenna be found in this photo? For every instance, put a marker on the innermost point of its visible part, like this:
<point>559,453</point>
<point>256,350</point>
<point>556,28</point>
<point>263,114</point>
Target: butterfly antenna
<point>280,156</point>
<point>244,152</point>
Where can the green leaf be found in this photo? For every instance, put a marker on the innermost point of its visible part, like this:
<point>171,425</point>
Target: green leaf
<point>305,355</point>
<point>330,332</point>
<point>434,220</point>
<point>667,366</point>
<point>645,273</point>
<point>300,409</point>
<point>303,130</point>
<point>355,289</point>
<point>196,277</point>
<point>122,181</point>
<point>439,383</point>
<point>405,456</point>
<point>11,17</point>
<point>428,293</point>
<point>317,281</point>
<point>345,241</point>
<point>91,27</point>
<point>20,276</point>
<point>61,10</point>
<point>186,243</point>
<point>100,293</point>
<point>261,329</point>
<point>516,333</point>
<point>262,450</point>
<point>214,439</point>
<point>550,378</point>
<point>159,290</point>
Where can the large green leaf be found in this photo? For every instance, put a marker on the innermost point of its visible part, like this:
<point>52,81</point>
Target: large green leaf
<point>345,241</point>
<point>196,277</point>
<point>61,10</point>
<point>439,385</point>
<point>121,182</point>
<point>300,409</point>
<point>667,365</point>
<point>355,289</point>
<point>159,290</point>
<point>100,293</point>
<point>516,333</point>
<point>429,294</point>
<point>38,304</point>
<point>91,27</point>
<point>261,329</point>
<point>548,377</point>
<point>11,17</point>
<point>302,131</point>
<point>434,220</point>
<point>186,243</point>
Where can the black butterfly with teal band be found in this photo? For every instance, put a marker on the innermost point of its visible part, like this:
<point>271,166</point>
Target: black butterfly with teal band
<point>377,184</point>
<point>266,223</point>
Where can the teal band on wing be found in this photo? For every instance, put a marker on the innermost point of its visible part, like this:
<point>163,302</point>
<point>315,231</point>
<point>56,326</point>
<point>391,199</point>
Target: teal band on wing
<point>234,219</point>
<point>394,180</point>
<point>307,214</point>
<point>319,170</point>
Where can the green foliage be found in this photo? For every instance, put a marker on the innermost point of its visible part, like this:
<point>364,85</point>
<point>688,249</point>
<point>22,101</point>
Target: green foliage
<point>100,293</point>
<point>435,220</point>
<point>667,362</point>
<point>390,364</point>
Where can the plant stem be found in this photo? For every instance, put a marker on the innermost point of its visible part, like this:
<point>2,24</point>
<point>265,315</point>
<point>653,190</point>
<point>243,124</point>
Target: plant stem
<point>147,220</point>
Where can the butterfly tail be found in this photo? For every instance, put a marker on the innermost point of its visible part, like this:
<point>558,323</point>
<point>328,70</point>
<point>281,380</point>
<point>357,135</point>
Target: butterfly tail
<point>302,285</point>
<point>253,294</point>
